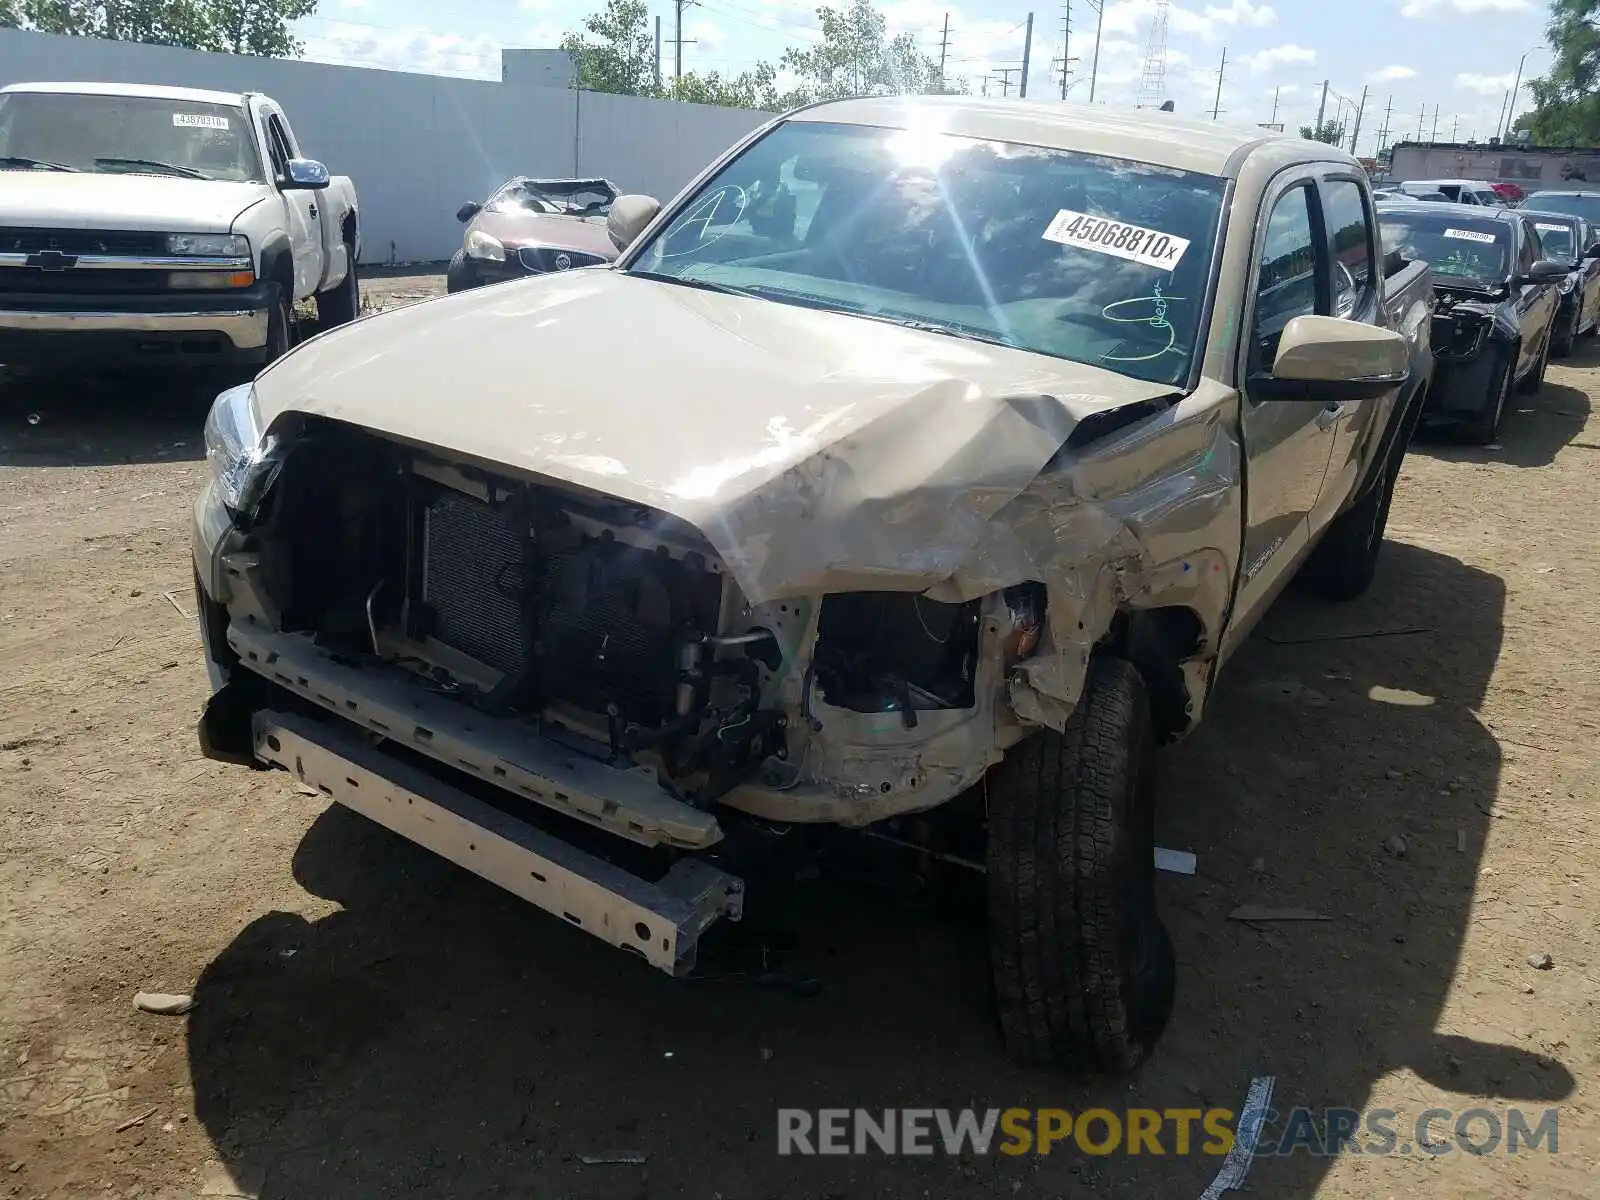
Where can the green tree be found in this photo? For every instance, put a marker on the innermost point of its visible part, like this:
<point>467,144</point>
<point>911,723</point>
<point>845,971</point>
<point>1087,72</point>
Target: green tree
<point>1566,102</point>
<point>757,88</point>
<point>10,14</point>
<point>616,51</point>
<point>236,26</point>
<point>1329,132</point>
<point>855,57</point>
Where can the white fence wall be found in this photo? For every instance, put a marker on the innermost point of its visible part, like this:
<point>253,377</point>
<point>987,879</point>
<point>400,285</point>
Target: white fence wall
<point>418,146</point>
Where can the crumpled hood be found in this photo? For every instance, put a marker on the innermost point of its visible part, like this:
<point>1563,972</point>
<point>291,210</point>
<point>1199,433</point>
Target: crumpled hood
<point>87,200</point>
<point>815,451</point>
<point>522,228</point>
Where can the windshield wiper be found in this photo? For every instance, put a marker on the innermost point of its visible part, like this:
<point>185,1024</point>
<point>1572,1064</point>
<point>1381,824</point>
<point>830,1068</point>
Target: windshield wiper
<point>33,164</point>
<point>153,164</point>
<point>702,284</point>
<point>969,333</point>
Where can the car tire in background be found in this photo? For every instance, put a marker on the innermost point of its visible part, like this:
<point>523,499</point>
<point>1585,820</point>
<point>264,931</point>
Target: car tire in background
<point>1485,428</point>
<point>280,325</point>
<point>1345,560</point>
<point>459,275</point>
<point>1084,972</point>
<point>1562,344</point>
<point>1534,379</point>
<point>340,305</point>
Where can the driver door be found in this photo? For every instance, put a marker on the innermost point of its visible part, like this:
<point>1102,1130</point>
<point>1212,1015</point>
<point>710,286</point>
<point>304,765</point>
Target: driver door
<point>301,210</point>
<point>1287,444</point>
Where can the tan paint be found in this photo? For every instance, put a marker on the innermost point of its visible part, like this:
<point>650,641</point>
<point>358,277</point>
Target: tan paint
<point>822,452</point>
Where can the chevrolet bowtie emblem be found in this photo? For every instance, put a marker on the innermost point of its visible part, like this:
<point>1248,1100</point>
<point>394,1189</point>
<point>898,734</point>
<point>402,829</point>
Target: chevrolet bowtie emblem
<point>52,260</point>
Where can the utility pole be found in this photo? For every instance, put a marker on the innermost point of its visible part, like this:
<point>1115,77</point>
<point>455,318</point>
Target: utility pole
<point>1383,134</point>
<point>1005,80</point>
<point>1094,70</point>
<point>1434,136</point>
<point>1503,99</point>
<point>1355,135</point>
<point>658,52</point>
<point>1511,109</point>
<point>1027,52</point>
<point>1066,45</point>
<point>986,86</point>
<point>1216,107</point>
<point>1421,118</point>
<point>1321,108</point>
<point>944,46</point>
<point>1274,120</point>
<point>1455,126</point>
<point>677,42</point>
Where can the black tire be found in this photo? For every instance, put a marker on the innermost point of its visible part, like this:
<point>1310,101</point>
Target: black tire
<point>1484,429</point>
<point>1345,560</point>
<point>340,305</point>
<point>459,275</point>
<point>280,326</point>
<point>1561,345</point>
<point>1534,379</point>
<point>1084,973</point>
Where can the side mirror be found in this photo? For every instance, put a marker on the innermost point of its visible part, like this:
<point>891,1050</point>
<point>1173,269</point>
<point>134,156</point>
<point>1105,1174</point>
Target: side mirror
<point>468,210</point>
<point>628,217</point>
<point>1546,270</point>
<point>1327,360</point>
<point>1593,251</point>
<point>304,175</point>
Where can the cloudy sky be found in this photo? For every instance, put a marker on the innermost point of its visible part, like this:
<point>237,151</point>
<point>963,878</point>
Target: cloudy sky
<point>1459,56</point>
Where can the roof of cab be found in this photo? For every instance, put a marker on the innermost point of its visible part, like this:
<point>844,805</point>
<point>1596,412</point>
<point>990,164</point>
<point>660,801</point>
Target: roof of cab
<point>153,91</point>
<point>1150,136</point>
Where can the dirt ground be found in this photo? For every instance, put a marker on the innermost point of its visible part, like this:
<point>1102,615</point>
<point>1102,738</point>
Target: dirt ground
<point>1419,767</point>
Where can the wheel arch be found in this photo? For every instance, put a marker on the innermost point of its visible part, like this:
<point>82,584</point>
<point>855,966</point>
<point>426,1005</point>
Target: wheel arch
<point>1158,642</point>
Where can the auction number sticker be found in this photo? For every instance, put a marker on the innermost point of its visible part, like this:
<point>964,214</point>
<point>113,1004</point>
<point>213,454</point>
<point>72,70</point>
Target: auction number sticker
<point>1542,227</point>
<point>1117,238</point>
<point>198,121</point>
<point>1470,235</point>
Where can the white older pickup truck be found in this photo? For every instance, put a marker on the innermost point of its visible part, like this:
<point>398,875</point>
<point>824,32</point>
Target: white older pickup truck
<point>163,226</point>
<point>915,470</point>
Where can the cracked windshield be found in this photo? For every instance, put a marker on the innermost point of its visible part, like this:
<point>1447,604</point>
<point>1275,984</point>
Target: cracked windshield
<point>44,131</point>
<point>1099,260</point>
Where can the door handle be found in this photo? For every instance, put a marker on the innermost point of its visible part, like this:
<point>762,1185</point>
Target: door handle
<point>1329,415</point>
<point>312,209</point>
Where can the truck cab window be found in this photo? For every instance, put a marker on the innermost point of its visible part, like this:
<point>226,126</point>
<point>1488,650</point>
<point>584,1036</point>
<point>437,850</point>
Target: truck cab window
<point>1286,279</point>
<point>1350,230</point>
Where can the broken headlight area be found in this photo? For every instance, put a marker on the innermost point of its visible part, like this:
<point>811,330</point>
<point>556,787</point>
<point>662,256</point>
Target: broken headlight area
<point>1458,333</point>
<point>612,627</point>
<point>902,652</point>
<point>243,456</point>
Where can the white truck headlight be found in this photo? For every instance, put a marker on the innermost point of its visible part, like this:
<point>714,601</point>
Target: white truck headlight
<point>482,245</point>
<point>208,245</point>
<point>244,461</point>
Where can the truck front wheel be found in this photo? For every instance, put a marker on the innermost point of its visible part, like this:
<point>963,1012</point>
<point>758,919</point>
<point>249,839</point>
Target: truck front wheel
<point>1083,968</point>
<point>340,305</point>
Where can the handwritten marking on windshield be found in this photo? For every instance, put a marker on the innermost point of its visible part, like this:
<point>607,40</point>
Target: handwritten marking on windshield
<point>1157,319</point>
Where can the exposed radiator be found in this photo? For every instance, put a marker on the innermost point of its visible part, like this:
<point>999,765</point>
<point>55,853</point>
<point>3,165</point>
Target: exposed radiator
<point>474,568</point>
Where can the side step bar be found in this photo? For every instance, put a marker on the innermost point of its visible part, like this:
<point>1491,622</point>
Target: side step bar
<point>660,921</point>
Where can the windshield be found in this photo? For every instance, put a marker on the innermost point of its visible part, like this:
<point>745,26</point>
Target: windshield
<point>554,198</point>
<point>1476,251</point>
<point>1557,239</point>
<point>1586,205</point>
<point>1097,260</point>
<point>125,134</point>
<point>1490,198</point>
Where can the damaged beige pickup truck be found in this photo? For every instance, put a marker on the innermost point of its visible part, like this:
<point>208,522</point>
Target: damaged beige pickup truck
<point>924,456</point>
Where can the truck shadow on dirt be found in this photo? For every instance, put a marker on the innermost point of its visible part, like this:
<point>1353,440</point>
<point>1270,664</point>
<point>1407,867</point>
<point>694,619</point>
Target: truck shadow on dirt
<point>1537,427</point>
<point>103,420</point>
<point>435,1037</point>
